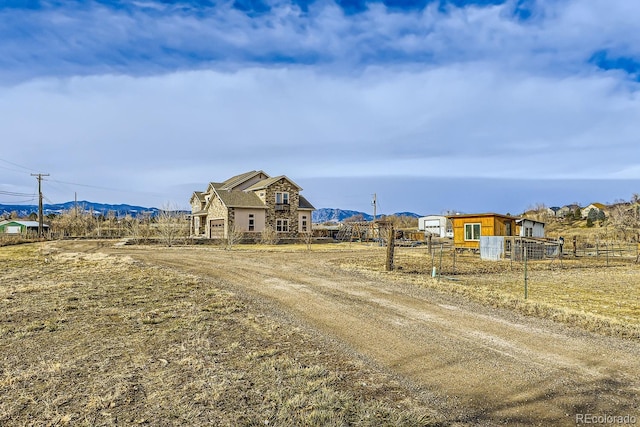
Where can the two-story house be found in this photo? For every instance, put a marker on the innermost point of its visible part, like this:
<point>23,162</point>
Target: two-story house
<point>250,203</point>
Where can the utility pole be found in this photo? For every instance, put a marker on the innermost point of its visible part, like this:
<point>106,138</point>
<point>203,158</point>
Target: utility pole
<point>40,214</point>
<point>374,202</point>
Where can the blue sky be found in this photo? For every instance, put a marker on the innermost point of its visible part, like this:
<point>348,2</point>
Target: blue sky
<point>432,105</point>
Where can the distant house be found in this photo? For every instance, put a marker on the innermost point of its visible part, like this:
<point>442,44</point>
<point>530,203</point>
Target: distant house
<point>584,212</point>
<point>553,211</point>
<point>16,227</point>
<point>250,203</point>
<point>468,228</point>
<point>436,225</point>
<point>530,228</point>
<point>567,210</point>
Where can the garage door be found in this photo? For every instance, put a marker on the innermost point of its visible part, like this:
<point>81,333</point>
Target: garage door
<point>216,228</point>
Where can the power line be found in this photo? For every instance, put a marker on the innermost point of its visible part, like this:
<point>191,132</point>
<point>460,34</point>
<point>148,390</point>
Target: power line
<point>15,164</point>
<point>18,201</point>
<point>104,188</point>
<point>12,193</point>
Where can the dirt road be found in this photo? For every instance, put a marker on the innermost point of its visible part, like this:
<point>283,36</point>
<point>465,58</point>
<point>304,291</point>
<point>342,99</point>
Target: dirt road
<point>480,365</point>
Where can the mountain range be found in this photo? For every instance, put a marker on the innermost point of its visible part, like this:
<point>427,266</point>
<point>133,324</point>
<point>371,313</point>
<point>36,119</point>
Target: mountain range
<point>339,215</point>
<point>121,210</point>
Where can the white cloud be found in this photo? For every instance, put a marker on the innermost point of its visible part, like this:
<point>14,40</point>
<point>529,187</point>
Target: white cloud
<point>156,98</point>
<point>559,38</point>
<point>464,121</point>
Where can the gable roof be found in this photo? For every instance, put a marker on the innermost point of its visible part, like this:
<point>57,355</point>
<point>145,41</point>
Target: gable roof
<point>231,194</point>
<point>304,203</point>
<point>267,182</point>
<point>239,199</point>
<point>197,195</point>
<point>597,205</point>
<point>234,181</point>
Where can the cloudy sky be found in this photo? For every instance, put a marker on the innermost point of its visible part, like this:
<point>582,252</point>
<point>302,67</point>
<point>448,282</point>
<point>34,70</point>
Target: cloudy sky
<point>431,104</point>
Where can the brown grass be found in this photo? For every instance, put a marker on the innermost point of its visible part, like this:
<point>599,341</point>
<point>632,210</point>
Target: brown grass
<point>592,293</point>
<point>90,339</point>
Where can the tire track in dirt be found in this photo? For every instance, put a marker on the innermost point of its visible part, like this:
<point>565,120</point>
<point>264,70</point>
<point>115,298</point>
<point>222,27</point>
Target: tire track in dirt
<point>487,367</point>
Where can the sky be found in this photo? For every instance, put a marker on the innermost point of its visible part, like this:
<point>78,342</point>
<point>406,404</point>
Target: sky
<point>431,105</point>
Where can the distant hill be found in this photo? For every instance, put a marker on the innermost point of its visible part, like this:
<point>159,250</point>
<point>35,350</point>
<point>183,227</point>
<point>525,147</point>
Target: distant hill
<point>411,214</point>
<point>338,215</point>
<point>121,210</point>
<point>98,209</point>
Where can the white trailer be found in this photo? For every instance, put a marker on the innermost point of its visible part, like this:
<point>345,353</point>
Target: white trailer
<point>436,225</point>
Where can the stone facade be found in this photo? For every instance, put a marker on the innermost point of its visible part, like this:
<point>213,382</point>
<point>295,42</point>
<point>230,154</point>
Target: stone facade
<point>250,203</point>
<point>275,212</point>
<point>217,210</point>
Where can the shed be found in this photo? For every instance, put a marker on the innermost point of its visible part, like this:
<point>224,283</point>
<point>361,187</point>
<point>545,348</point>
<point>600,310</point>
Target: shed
<point>467,228</point>
<point>437,225</point>
<point>15,227</point>
<point>530,227</point>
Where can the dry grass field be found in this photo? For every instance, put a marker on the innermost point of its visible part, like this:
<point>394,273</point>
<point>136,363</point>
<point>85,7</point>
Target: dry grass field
<point>596,294</point>
<point>94,339</point>
<point>94,333</point>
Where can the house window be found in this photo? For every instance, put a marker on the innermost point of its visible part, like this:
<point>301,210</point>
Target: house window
<point>252,223</point>
<point>282,225</point>
<point>472,231</point>
<point>528,232</point>
<point>282,198</point>
<point>304,223</point>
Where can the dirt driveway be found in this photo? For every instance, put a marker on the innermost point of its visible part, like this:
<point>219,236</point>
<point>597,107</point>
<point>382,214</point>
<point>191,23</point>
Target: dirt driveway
<point>479,365</point>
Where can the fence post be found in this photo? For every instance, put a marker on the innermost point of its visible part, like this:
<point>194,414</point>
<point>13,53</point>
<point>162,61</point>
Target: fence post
<point>575,246</point>
<point>440,267</point>
<point>512,250</point>
<point>390,246</point>
<point>526,290</point>
<point>454,261</point>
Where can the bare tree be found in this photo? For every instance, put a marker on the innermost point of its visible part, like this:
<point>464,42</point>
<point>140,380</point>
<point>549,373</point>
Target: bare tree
<point>307,239</point>
<point>73,223</point>
<point>171,224</point>
<point>624,219</point>
<point>234,236</point>
<point>269,236</point>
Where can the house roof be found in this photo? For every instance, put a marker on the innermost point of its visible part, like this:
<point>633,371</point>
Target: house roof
<point>598,205</point>
<point>521,220</point>
<point>199,195</point>
<point>304,204</point>
<point>239,179</point>
<point>267,182</point>
<point>239,199</point>
<point>231,196</point>
<point>480,214</point>
<point>23,223</point>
